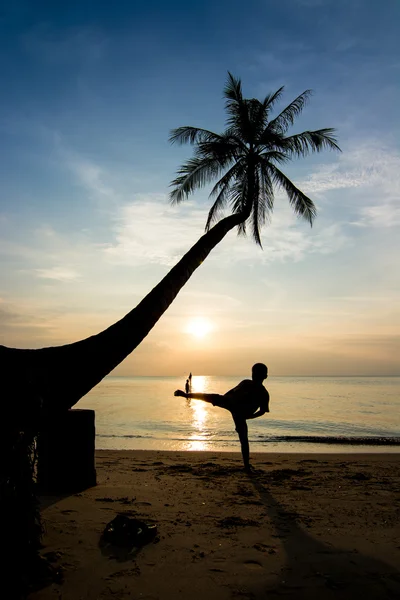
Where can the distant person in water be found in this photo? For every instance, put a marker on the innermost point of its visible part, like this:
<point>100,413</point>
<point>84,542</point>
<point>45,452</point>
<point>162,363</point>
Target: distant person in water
<point>187,386</point>
<point>248,400</point>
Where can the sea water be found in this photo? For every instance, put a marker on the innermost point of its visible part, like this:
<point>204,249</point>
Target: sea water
<point>307,414</point>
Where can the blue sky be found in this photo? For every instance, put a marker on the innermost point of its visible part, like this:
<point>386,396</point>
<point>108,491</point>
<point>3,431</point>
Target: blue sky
<point>90,91</point>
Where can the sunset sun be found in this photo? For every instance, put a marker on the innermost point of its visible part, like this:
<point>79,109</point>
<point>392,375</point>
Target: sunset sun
<point>199,327</point>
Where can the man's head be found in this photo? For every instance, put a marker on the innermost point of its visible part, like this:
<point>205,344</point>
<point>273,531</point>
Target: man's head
<point>259,372</point>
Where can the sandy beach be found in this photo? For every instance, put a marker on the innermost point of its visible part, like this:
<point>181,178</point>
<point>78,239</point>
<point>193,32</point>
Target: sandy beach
<point>302,526</point>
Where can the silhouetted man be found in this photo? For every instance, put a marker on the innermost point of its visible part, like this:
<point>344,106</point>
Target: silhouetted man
<point>248,400</point>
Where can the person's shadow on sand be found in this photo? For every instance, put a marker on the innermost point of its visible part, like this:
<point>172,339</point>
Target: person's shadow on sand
<point>315,570</point>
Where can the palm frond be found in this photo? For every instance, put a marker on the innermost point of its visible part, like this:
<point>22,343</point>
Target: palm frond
<point>275,156</point>
<point>195,173</point>
<point>270,99</point>
<point>270,140</point>
<point>264,206</point>
<point>191,135</point>
<point>301,144</point>
<point>221,192</point>
<point>233,89</point>
<point>238,201</point>
<point>238,120</point>
<point>219,149</point>
<point>286,118</point>
<point>258,118</point>
<point>234,174</point>
<point>237,109</point>
<point>266,189</point>
<point>301,204</point>
<point>258,212</point>
<point>232,135</point>
<point>216,210</point>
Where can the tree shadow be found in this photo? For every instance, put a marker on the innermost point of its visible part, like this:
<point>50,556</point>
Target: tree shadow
<point>315,569</point>
<point>47,500</point>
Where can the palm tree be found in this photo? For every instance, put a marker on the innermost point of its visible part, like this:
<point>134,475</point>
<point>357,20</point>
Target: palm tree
<point>246,157</point>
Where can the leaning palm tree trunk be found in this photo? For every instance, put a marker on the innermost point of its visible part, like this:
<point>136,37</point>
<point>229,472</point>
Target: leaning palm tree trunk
<point>62,375</point>
<point>39,383</point>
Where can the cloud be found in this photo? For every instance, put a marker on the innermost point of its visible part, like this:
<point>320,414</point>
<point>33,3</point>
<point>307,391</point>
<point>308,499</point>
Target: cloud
<point>58,273</point>
<point>384,215</point>
<point>20,324</point>
<point>155,233</point>
<point>86,172</point>
<point>208,301</point>
<point>372,171</point>
<point>150,231</point>
<point>364,165</point>
<point>147,230</point>
<point>332,177</point>
<point>90,176</point>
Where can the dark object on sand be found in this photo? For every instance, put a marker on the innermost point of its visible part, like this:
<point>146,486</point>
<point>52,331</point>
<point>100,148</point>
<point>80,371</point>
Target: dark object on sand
<point>127,532</point>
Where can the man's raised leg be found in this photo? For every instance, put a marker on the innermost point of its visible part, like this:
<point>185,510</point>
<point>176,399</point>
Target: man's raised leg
<point>211,398</point>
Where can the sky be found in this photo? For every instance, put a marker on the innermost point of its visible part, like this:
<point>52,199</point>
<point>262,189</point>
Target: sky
<point>90,92</point>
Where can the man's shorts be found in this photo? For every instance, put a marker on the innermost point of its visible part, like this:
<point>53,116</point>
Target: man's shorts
<point>223,402</point>
<point>238,416</point>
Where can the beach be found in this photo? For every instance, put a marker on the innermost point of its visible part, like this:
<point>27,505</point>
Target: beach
<point>301,526</point>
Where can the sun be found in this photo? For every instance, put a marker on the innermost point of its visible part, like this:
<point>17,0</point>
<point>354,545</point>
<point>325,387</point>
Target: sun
<point>199,327</point>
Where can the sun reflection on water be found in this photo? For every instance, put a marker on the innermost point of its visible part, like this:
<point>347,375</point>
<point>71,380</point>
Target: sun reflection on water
<point>198,439</point>
<point>200,383</point>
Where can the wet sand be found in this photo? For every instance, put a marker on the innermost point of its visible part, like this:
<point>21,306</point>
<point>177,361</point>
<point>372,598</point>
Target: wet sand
<point>302,526</point>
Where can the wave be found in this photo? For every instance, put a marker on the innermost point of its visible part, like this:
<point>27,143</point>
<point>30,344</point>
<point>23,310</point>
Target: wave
<point>129,436</point>
<point>307,439</point>
<point>340,440</point>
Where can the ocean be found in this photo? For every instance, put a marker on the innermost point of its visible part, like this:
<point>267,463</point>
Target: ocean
<point>307,414</point>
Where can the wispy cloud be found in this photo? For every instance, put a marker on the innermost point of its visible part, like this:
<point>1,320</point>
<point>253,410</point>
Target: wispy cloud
<point>58,274</point>
<point>333,177</point>
<point>373,169</point>
<point>45,253</point>
<point>384,215</point>
<point>20,324</point>
<point>89,174</point>
<point>149,230</point>
<point>363,165</point>
<point>153,232</point>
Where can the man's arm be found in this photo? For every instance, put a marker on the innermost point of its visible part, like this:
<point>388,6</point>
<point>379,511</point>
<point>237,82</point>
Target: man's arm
<point>257,414</point>
<point>264,407</point>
